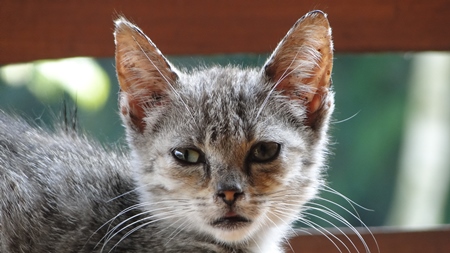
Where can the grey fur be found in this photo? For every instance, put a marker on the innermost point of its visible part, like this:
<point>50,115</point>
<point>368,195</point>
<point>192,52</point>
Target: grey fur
<point>61,192</point>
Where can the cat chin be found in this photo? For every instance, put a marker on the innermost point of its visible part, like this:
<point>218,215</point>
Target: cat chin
<point>252,237</point>
<point>233,236</point>
<point>242,233</point>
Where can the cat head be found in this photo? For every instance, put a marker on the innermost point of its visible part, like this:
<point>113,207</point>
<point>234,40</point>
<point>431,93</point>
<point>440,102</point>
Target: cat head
<point>228,152</point>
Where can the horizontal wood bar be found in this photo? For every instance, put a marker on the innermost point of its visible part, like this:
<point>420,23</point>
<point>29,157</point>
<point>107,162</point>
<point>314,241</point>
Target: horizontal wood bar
<point>32,30</point>
<point>389,240</point>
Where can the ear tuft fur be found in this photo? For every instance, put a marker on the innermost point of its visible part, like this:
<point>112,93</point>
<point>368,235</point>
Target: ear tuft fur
<point>144,74</point>
<point>301,65</point>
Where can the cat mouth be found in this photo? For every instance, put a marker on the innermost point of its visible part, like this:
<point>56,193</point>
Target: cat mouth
<point>231,221</point>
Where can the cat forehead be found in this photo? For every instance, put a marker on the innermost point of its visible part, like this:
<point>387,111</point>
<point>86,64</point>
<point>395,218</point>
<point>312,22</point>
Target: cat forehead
<point>222,91</point>
<point>221,104</point>
<point>222,78</point>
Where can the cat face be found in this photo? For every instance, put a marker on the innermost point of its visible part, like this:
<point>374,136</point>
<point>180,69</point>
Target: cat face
<point>228,152</point>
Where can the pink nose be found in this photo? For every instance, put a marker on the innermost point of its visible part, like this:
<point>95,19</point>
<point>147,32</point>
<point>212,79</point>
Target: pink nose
<point>229,196</point>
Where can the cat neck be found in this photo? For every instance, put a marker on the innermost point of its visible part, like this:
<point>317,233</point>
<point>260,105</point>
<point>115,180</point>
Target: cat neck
<point>270,240</point>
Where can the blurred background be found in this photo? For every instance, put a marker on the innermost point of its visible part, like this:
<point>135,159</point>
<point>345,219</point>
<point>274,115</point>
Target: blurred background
<point>390,136</point>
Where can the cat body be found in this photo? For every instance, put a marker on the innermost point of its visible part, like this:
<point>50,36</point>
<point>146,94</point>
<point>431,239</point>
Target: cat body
<point>221,159</point>
<point>64,205</point>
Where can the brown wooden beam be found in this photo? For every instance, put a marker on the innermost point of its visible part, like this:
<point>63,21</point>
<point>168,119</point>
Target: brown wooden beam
<point>44,29</point>
<point>389,240</point>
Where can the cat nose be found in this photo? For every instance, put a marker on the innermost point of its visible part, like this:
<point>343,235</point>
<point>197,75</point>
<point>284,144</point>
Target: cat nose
<point>229,194</point>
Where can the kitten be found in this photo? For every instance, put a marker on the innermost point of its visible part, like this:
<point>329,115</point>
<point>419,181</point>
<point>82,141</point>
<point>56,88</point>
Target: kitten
<point>221,159</point>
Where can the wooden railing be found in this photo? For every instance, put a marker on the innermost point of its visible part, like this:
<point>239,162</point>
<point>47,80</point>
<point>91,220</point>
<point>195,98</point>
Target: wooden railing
<point>33,30</point>
<point>381,239</point>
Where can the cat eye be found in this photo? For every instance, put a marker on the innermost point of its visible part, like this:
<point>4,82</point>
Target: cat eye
<point>188,155</point>
<point>264,152</point>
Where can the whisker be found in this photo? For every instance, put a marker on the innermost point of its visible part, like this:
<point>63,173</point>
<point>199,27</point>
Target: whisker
<point>175,233</point>
<point>110,221</point>
<point>128,234</point>
<point>128,209</point>
<point>336,227</point>
<point>351,202</point>
<point>98,229</point>
<point>303,230</point>
<point>167,227</point>
<point>335,215</point>
<point>347,119</point>
<point>279,230</point>
<point>326,210</point>
<point>257,245</point>
<point>321,230</point>
<point>131,218</point>
<point>124,194</point>
<point>357,217</point>
<point>135,229</point>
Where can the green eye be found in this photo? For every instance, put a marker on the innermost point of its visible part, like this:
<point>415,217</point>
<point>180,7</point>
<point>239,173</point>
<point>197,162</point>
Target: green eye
<point>264,152</point>
<point>187,155</point>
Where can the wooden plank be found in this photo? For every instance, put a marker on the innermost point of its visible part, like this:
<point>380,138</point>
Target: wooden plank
<point>52,29</point>
<point>389,240</point>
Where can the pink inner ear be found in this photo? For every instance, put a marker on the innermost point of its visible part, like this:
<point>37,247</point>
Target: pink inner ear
<point>145,76</point>
<point>315,103</point>
<point>135,106</point>
<point>302,64</point>
<point>134,111</point>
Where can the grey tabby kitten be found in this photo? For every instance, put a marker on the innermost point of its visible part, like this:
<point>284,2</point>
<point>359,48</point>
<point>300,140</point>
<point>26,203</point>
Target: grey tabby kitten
<point>222,159</point>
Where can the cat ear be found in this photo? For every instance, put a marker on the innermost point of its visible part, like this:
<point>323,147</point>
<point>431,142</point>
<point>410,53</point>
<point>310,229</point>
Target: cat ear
<point>144,74</point>
<point>300,67</point>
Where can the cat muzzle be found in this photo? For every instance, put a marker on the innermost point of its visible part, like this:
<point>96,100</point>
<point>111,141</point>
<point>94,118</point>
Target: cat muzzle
<point>231,221</point>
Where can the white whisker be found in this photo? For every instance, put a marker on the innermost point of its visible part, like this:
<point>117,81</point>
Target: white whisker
<point>321,230</point>
<point>341,219</point>
<point>347,119</point>
<point>338,229</point>
<point>131,218</point>
<point>126,193</point>
<point>177,230</point>
<point>135,229</point>
<point>279,231</point>
<point>351,202</point>
<point>256,243</point>
<point>128,209</point>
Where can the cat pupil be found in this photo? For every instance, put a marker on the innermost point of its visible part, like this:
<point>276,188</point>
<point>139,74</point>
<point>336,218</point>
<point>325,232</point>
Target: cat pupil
<point>187,155</point>
<point>265,151</point>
